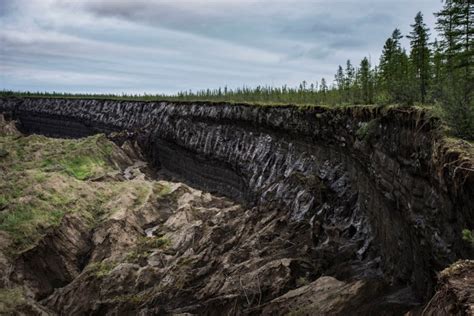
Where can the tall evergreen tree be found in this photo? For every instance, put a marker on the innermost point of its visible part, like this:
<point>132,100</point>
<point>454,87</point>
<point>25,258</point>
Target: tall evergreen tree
<point>365,80</point>
<point>394,70</point>
<point>339,78</point>
<point>437,71</point>
<point>323,87</point>
<point>445,25</point>
<point>464,48</point>
<point>349,82</point>
<point>420,56</point>
<point>455,23</point>
<point>388,60</point>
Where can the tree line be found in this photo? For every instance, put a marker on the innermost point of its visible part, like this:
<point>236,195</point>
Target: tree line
<point>432,72</point>
<point>438,72</point>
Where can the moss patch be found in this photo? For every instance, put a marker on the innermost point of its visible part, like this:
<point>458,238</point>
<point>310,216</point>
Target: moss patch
<point>44,180</point>
<point>367,130</point>
<point>134,299</point>
<point>25,223</point>
<point>468,235</point>
<point>10,299</point>
<point>82,167</point>
<point>145,247</point>
<point>101,269</point>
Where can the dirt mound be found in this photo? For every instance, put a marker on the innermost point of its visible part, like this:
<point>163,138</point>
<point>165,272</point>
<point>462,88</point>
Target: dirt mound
<point>455,292</point>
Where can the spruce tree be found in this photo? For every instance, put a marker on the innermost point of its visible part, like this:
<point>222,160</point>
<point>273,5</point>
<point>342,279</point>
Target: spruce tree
<point>339,78</point>
<point>464,43</point>
<point>437,71</point>
<point>394,71</point>
<point>349,81</point>
<point>339,81</point>
<point>323,86</point>
<point>404,89</point>
<point>388,62</point>
<point>365,80</point>
<point>420,56</point>
<point>323,89</point>
<point>455,23</point>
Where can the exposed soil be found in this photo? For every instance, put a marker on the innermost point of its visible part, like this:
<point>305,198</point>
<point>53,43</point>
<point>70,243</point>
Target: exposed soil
<point>175,250</point>
<point>254,211</point>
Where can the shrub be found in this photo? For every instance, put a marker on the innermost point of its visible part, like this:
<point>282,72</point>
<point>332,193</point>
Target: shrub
<point>468,236</point>
<point>458,112</point>
<point>367,130</point>
<point>10,299</point>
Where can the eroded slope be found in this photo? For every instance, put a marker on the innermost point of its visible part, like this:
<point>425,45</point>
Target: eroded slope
<point>376,195</point>
<point>85,231</point>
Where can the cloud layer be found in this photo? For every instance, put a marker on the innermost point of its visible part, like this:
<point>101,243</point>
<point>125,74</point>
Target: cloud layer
<point>171,45</point>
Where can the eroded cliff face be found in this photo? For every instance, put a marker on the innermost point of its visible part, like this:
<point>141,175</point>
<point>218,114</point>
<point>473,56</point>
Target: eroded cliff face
<point>378,193</point>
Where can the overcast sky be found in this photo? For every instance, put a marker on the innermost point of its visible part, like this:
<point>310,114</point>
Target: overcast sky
<point>171,45</point>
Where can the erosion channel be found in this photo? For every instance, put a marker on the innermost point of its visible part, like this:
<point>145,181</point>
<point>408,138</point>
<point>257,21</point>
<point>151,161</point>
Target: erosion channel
<point>157,208</point>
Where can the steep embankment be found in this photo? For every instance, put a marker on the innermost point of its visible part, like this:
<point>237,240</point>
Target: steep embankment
<point>378,191</point>
<point>84,232</point>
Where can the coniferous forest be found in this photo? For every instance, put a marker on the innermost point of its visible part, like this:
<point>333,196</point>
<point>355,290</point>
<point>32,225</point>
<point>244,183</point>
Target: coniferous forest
<point>435,72</point>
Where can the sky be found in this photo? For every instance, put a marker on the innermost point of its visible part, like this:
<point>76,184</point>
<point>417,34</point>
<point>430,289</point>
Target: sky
<point>166,46</point>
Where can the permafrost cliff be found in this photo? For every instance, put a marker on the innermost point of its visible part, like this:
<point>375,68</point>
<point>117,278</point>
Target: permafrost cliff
<point>378,193</point>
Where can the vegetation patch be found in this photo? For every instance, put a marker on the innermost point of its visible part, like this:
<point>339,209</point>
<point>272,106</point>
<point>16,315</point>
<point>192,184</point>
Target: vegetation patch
<point>3,202</point>
<point>43,181</point>
<point>367,130</point>
<point>101,269</point>
<point>3,153</point>
<point>10,299</point>
<point>145,247</point>
<point>26,223</point>
<point>467,235</point>
<point>135,299</point>
<point>82,167</point>
<point>302,281</point>
<point>457,268</point>
<point>163,190</point>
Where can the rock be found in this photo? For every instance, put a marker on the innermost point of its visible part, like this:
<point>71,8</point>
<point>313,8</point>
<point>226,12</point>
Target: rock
<point>324,296</point>
<point>455,291</point>
<point>3,153</point>
<point>7,128</point>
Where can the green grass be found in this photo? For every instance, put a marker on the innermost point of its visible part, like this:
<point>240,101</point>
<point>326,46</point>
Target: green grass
<point>81,159</point>
<point>367,130</point>
<point>43,180</point>
<point>272,97</point>
<point>468,235</point>
<point>40,176</point>
<point>163,190</point>
<point>26,223</point>
<point>3,153</point>
<point>40,184</point>
<point>141,195</point>
<point>82,167</point>
<point>47,163</point>
<point>10,299</point>
<point>3,202</point>
<point>145,247</point>
<point>101,269</point>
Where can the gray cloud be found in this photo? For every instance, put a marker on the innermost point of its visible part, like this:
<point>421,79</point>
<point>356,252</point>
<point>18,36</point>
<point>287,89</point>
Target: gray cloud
<point>164,45</point>
<point>6,8</point>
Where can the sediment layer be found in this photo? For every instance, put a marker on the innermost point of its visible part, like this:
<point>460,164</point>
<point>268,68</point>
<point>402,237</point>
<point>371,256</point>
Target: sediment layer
<point>382,192</point>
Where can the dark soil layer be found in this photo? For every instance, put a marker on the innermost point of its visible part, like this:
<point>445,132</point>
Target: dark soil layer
<point>364,201</point>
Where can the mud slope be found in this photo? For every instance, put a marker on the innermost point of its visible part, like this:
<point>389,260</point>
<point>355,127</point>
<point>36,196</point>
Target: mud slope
<point>382,197</point>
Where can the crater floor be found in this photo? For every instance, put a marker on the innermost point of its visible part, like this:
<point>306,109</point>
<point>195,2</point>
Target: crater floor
<point>87,228</point>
